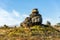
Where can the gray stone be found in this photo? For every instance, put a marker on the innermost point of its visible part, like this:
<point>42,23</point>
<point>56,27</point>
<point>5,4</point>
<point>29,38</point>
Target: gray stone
<point>34,19</point>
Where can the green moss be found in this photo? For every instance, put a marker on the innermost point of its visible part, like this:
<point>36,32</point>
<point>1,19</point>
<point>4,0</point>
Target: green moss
<point>37,31</point>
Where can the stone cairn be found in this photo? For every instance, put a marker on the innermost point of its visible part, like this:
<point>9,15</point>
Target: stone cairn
<point>34,19</point>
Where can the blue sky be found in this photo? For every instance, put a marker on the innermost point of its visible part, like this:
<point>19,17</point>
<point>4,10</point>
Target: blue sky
<point>13,12</point>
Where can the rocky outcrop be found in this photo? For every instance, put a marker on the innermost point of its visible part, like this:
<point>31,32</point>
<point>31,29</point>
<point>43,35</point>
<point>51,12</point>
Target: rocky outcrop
<point>34,19</point>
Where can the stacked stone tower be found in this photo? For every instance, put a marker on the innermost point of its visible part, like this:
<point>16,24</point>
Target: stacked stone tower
<point>34,19</point>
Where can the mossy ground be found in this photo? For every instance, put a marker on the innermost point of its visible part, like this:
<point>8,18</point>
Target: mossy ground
<point>36,32</point>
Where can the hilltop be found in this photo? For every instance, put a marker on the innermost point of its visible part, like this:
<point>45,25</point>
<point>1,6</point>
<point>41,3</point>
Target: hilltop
<point>36,32</point>
<point>30,29</point>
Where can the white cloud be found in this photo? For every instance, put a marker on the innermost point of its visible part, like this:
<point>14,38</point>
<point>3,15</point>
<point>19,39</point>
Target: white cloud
<point>3,12</point>
<point>8,17</point>
<point>25,15</point>
<point>11,18</point>
<point>16,13</point>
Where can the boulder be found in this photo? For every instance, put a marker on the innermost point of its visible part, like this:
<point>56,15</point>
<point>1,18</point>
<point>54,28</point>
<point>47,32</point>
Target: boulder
<point>34,19</point>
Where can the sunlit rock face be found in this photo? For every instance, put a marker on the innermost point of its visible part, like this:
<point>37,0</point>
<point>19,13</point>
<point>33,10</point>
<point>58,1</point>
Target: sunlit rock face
<point>34,19</point>
<point>27,22</point>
